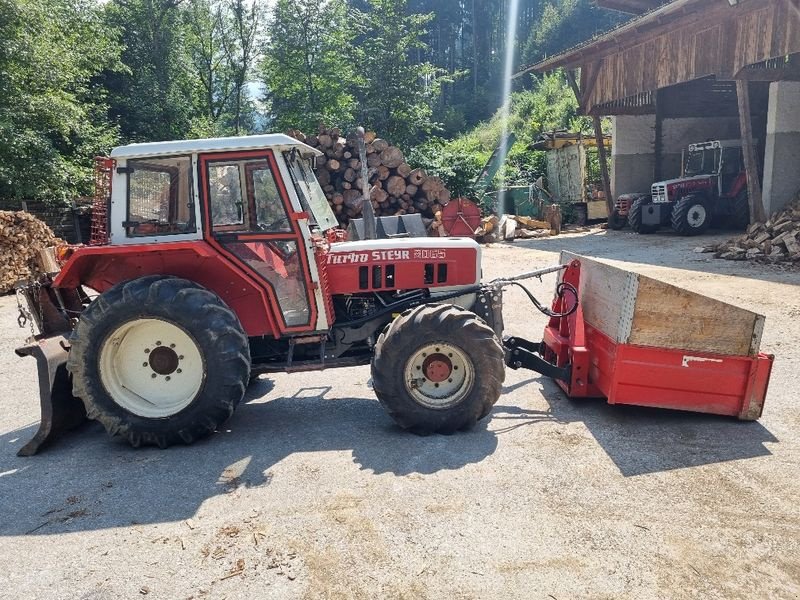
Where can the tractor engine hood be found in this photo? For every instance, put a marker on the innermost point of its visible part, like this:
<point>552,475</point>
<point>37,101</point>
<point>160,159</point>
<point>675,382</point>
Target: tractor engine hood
<point>670,183</point>
<point>403,264</point>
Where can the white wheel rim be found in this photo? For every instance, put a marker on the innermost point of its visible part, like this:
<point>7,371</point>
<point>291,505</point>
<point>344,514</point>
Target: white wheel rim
<point>151,368</point>
<point>439,375</point>
<point>696,215</point>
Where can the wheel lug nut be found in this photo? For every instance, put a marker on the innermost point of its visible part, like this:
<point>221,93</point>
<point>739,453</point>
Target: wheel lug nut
<point>418,368</point>
<point>158,343</point>
<point>147,350</point>
<point>153,375</point>
<point>179,371</point>
<point>144,364</point>
<point>180,357</point>
<point>435,385</point>
<point>449,381</point>
<point>172,345</point>
<point>167,378</point>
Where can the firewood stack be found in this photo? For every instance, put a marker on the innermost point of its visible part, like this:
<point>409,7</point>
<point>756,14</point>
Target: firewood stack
<point>21,237</point>
<point>777,240</point>
<point>394,187</point>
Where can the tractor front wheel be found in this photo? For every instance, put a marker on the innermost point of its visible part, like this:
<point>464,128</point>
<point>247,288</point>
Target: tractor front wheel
<point>617,221</point>
<point>691,215</point>
<point>159,361</point>
<point>437,369</point>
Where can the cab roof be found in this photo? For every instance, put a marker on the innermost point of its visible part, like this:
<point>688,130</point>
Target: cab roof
<point>277,141</point>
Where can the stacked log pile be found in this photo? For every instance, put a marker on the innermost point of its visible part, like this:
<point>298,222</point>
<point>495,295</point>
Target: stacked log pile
<point>394,187</point>
<point>22,236</point>
<point>776,240</point>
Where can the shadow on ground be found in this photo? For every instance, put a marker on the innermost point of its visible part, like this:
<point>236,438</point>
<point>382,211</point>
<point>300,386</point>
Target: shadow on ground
<point>645,440</point>
<point>87,481</point>
<point>47,493</point>
<point>666,249</point>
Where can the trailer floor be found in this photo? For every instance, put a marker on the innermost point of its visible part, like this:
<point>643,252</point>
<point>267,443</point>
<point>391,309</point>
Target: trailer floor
<point>311,492</point>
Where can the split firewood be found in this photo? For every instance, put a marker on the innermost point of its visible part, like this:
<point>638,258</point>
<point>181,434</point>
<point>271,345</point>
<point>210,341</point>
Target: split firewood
<point>22,238</point>
<point>775,240</point>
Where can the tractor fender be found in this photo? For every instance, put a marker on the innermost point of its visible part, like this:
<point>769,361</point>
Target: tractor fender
<point>102,267</point>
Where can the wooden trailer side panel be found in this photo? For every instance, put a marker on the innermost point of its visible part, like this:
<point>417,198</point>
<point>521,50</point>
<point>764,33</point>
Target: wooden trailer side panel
<point>632,308</point>
<point>671,317</point>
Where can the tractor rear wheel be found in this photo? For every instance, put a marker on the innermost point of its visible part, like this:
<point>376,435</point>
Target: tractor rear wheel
<point>159,361</point>
<point>635,217</point>
<point>691,215</point>
<point>437,369</point>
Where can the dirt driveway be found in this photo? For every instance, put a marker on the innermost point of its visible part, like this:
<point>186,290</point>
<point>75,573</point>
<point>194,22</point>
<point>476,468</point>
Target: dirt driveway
<point>311,492</point>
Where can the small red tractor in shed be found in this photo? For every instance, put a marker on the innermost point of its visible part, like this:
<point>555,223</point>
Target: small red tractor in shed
<point>713,187</point>
<point>215,260</point>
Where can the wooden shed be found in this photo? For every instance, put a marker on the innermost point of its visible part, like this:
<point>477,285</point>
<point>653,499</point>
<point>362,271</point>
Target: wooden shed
<point>692,70</point>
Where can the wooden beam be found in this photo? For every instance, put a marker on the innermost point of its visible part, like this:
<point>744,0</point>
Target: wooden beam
<point>658,141</point>
<point>635,7</point>
<point>574,85</point>
<point>610,111</point>
<point>603,159</point>
<point>783,74</point>
<point>586,91</point>
<point>749,153</point>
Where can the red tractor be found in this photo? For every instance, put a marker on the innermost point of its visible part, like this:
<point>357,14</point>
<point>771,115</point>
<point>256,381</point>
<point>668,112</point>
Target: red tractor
<point>713,187</point>
<point>212,261</point>
<point>215,260</point>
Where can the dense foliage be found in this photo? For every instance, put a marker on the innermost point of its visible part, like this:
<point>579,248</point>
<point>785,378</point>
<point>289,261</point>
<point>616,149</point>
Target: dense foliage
<point>549,106</point>
<point>78,76</point>
<point>53,113</point>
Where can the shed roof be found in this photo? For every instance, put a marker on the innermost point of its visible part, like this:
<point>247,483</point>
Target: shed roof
<point>573,57</point>
<point>682,41</point>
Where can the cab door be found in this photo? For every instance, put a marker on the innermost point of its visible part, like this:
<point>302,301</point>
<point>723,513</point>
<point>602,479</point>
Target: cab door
<point>249,218</point>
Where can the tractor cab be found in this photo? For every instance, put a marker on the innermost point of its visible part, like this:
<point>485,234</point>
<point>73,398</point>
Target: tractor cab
<point>720,162</point>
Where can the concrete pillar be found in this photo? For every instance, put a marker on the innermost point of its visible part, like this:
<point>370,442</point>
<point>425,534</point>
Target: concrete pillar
<point>782,152</point>
<point>632,153</point>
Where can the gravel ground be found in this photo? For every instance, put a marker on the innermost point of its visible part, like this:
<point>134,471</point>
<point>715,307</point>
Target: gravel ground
<point>311,492</point>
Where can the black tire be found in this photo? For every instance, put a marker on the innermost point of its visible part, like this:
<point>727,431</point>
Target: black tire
<point>740,211</point>
<point>430,325</point>
<point>691,215</point>
<point>616,222</point>
<point>218,338</point>
<point>635,217</point>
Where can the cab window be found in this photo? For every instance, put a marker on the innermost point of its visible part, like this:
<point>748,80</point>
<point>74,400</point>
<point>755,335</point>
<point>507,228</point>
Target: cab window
<point>243,196</point>
<point>160,197</point>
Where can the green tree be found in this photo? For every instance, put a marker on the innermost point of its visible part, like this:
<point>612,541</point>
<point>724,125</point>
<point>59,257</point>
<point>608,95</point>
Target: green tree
<point>308,65</point>
<point>400,90</point>
<point>209,65</point>
<point>154,97</point>
<point>52,110</point>
<point>240,22</point>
